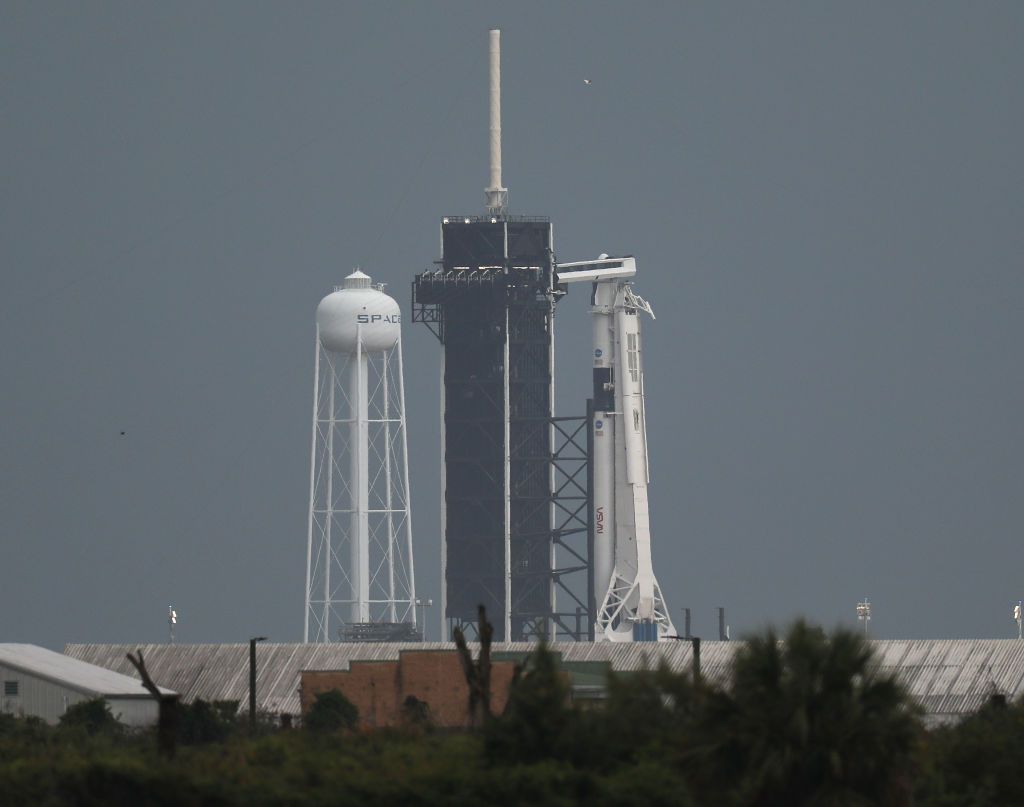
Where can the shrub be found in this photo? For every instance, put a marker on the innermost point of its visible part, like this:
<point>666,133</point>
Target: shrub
<point>331,711</point>
<point>204,722</point>
<point>92,716</point>
<point>416,713</point>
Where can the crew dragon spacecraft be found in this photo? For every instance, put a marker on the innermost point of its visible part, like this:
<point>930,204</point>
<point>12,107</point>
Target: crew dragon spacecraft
<point>630,603</point>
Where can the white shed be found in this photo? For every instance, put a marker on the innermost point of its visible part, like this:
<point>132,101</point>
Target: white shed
<point>40,683</point>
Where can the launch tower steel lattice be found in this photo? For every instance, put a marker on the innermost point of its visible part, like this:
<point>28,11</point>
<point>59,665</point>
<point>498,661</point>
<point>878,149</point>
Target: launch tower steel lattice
<point>516,494</point>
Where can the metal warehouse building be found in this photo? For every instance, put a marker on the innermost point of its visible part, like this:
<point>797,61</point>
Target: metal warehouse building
<point>40,683</point>
<point>949,678</point>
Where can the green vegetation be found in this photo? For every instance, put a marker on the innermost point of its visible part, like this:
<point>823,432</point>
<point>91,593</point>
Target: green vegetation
<point>804,721</point>
<point>331,711</point>
<point>93,717</point>
<point>978,762</point>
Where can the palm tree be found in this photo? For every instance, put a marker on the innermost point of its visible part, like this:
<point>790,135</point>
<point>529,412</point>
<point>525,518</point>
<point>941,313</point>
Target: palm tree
<point>808,720</point>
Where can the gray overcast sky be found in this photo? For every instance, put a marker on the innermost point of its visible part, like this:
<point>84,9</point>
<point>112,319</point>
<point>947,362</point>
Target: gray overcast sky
<point>825,201</point>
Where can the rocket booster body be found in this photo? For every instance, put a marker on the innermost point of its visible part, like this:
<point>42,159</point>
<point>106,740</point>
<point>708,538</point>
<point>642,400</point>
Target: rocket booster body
<point>631,606</point>
<point>603,311</point>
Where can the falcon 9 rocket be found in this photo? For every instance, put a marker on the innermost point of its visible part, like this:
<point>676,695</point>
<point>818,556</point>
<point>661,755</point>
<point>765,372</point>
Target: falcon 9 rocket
<point>631,606</point>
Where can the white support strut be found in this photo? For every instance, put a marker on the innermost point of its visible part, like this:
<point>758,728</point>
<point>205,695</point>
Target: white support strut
<point>359,486</point>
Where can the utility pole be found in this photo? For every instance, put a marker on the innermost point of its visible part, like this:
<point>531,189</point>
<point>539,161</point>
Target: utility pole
<point>252,679</point>
<point>423,604</point>
<point>695,644</point>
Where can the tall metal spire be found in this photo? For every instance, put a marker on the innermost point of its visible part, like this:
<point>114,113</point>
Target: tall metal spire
<point>497,196</point>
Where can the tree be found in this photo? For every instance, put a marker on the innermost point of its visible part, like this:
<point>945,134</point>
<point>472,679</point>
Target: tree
<point>167,703</point>
<point>93,716</point>
<point>478,673</point>
<point>648,714</point>
<point>978,761</point>
<point>331,711</point>
<point>808,721</point>
<point>537,716</point>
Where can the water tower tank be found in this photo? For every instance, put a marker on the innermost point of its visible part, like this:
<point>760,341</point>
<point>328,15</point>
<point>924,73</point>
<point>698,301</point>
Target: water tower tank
<point>355,310</point>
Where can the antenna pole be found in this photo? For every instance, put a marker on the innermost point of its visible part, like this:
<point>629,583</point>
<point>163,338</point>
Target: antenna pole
<point>497,196</point>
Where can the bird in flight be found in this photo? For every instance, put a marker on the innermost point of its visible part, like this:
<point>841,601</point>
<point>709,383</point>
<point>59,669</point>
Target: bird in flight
<point>123,434</point>
<point>587,81</point>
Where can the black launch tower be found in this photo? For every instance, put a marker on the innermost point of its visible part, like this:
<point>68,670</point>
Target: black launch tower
<point>516,509</point>
<point>515,522</point>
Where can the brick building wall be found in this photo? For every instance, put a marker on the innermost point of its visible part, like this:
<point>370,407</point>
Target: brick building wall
<point>379,688</point>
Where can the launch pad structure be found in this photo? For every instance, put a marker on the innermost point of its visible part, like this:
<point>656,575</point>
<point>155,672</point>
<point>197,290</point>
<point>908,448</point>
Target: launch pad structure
<point>516,506</point>
<point>516,501</point>
<point>544,519</point>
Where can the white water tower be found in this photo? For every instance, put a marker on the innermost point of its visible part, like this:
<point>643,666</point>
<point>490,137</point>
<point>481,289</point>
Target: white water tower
<point>359,564</point>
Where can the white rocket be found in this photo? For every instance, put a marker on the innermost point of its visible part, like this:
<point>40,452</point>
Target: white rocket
<point>631,606</point>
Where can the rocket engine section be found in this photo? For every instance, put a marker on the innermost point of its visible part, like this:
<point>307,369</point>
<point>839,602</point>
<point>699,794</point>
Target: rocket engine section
<point>632,607</point>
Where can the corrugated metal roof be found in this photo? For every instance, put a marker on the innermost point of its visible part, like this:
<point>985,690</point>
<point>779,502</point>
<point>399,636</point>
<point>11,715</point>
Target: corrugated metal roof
<point>221,671</point>
<point>948,678</point>
<point>72,673</point>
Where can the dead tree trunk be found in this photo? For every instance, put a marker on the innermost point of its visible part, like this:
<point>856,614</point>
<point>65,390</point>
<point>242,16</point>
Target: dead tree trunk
<point>167,725</point>
<point>478,673</point>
